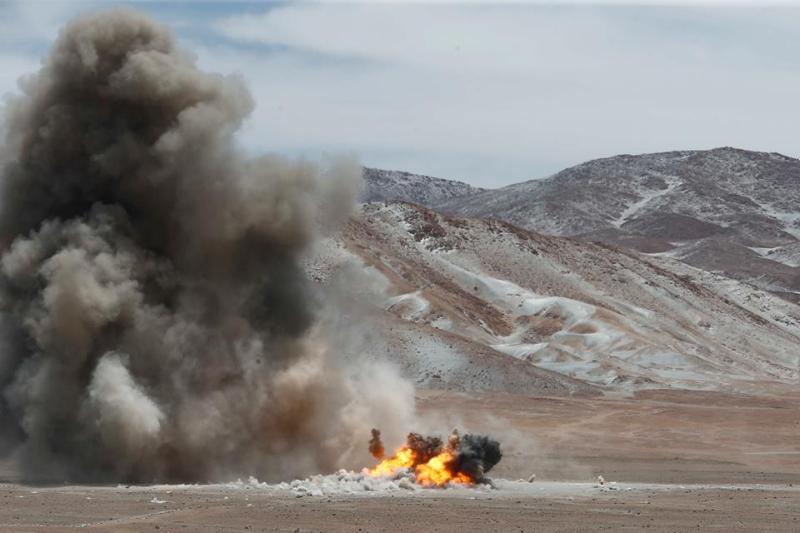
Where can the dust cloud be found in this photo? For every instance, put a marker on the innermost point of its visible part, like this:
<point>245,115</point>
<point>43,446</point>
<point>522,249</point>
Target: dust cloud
<point>155,321</point>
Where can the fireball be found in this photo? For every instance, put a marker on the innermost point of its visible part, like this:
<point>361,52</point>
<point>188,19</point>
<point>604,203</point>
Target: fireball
<point>435,464</point>
<point>438,471</point>
<point>404,458</point>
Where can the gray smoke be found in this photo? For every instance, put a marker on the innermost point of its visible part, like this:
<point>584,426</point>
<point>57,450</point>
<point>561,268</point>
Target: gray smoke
<point>155,322</point>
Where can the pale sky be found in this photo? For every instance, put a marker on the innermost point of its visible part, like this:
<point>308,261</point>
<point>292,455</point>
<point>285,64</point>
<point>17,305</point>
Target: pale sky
<point>484,92</point>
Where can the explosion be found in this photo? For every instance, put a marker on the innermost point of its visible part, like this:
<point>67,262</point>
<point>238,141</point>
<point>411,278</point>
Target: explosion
<point>464,460</point>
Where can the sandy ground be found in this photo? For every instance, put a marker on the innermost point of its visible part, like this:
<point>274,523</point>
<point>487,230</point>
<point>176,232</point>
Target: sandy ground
<point>650,436</point>
<point>674,461</point>
<point>581,508</point>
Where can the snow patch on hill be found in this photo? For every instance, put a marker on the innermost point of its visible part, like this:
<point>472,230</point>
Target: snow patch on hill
<point>647,197</point>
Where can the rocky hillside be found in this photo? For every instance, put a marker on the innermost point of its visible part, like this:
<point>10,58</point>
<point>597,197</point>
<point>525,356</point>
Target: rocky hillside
<point>394,185</point>
<point>483,305</point>
<point>725,210</point>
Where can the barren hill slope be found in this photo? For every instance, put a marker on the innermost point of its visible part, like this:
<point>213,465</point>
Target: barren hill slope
<point>485,296</point>
<point>723,210</point>
<point>394,185</point>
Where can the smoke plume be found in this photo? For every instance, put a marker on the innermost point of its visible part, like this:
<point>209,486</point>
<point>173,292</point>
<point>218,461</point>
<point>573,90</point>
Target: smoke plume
<point>376,445</point>
<point>477,454</point>
<point>155,322</point>
<point>424,448</point>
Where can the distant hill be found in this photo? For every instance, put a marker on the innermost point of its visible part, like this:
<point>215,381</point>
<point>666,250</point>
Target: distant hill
<point>724,210</point>
<point>394,185</point>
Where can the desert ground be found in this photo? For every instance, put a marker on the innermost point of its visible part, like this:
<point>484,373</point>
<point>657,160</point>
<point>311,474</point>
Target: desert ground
<point>671,461</point>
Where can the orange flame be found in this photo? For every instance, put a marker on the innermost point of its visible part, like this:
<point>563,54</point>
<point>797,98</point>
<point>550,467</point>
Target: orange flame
<point>437,472</point>
<point>404,458</point>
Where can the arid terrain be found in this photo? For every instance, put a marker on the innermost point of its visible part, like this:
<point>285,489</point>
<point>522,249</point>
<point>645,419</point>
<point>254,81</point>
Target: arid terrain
<point>199,336</point>
<point>724,210</point>
<point>675,385</point>
<point>671,461</point>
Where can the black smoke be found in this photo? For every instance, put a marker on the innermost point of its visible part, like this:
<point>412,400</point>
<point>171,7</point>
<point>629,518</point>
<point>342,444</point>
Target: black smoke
<point>477,455</point>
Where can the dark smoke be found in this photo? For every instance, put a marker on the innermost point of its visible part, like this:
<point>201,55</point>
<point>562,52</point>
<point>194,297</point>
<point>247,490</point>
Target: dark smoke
<point>156,324</point>
<point>376,445</point>
<point>425,448</point>
<point>477,454</point>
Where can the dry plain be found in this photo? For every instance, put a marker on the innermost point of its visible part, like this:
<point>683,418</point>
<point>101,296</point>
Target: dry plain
<point>672,461</point>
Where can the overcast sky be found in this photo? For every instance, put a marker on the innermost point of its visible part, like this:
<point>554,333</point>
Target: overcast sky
<point>487,93</point>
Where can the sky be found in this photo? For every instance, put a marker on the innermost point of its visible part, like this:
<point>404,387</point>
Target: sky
<point>488,93</point>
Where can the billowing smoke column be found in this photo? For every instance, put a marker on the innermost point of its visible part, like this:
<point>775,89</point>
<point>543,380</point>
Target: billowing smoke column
<point>464,459</point>
<point>155,322</point>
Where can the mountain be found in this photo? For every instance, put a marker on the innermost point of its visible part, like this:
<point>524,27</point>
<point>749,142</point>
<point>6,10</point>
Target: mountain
<point>475,304</point>
<point>394,185</point>
<point>725,210</point>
